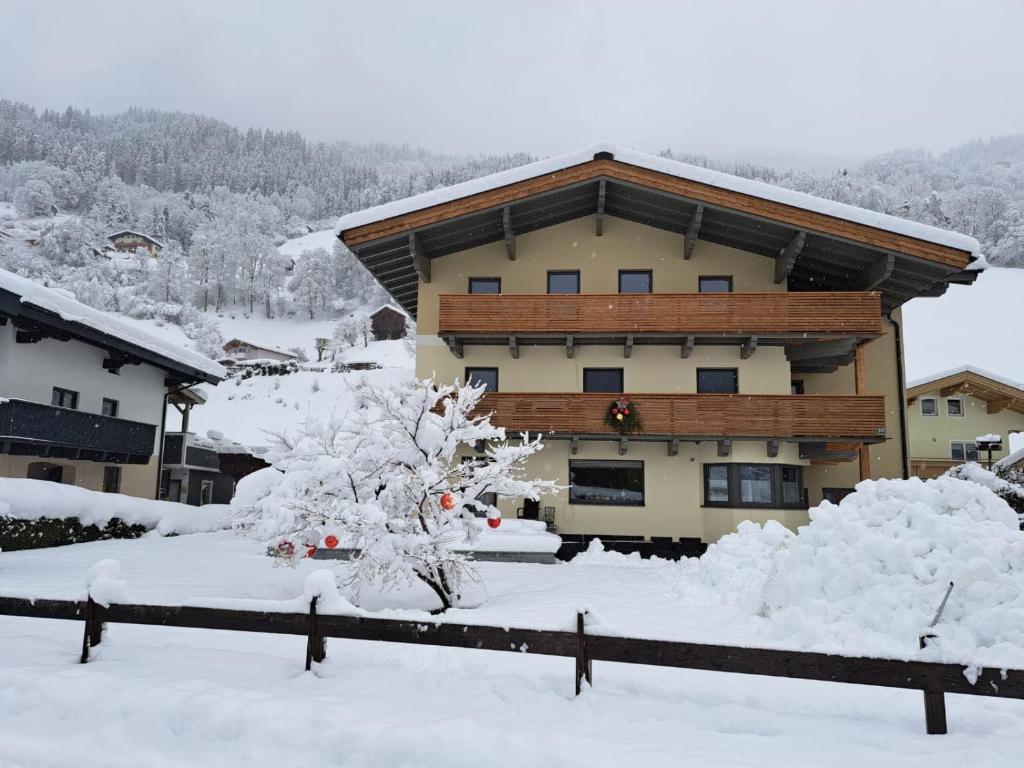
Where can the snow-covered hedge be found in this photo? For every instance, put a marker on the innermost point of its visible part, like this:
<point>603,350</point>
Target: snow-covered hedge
<point>44,502</point>
<point>998,482</point>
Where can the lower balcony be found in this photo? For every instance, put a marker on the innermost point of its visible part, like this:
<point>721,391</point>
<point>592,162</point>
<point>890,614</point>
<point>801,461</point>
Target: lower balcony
<point>35,429</point>
<point>828,425</point>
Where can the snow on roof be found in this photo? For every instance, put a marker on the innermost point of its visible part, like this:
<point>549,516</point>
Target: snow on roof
<point>264,347</point>
<point>673,168</point>
<point>1014,458</point>
<point>964,369</point>
<point>143,235</point>
<point>63,304</point>
<point>399,310</point>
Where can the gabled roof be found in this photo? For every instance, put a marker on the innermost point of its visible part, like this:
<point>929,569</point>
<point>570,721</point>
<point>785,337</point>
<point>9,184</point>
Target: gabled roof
<point>143,235</point>
<point>997,392</point>
<point>53,312</point>
<point>839,246</point>
<point>392,307</point>
<point>264,347</point>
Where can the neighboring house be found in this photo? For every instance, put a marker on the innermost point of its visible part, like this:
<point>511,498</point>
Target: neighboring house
<point>240,349</point>
<point>756,330</point>
<point>128,241</point>
<point>947,411</point>
<point>83,394</point>
<point>388,323</point>
<point>199,470</point>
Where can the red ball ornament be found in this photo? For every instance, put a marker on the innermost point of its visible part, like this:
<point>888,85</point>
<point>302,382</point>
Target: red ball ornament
<point>331,541</point>
<point>493,522</point>
<point>447,501</point>
<point>625,411</point>
<point>310,551</point>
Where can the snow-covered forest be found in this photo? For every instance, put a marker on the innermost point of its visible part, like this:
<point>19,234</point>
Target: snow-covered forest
<point>221,201</point>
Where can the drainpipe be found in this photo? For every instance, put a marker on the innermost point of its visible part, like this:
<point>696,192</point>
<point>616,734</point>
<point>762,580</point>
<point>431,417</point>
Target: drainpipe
<point>163,429</point>
<point>898,333</point>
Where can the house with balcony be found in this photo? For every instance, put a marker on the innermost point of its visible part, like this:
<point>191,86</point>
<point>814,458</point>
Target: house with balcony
<point>948,411</point>
<point>755,332</point>
<point>83,395</point>
<point>201,470</point>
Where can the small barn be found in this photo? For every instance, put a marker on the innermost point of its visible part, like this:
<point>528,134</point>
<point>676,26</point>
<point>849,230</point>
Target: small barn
<point>129,241</point>
<point>388,322</point>
<point>240,349</point>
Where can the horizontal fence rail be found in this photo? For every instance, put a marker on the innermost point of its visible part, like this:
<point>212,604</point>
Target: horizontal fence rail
<point>934,679</point>
<point>845,313</point>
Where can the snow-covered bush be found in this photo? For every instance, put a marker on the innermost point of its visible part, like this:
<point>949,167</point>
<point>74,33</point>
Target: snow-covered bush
<point>1006,483</point>
<point>396,479</point>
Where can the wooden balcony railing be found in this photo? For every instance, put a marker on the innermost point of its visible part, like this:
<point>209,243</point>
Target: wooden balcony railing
<point>854,418</point>
<point>855,314</point>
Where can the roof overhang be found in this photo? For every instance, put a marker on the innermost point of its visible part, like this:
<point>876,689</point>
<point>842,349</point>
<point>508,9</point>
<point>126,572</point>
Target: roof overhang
<point>813,250</point>
<point>997,395</point>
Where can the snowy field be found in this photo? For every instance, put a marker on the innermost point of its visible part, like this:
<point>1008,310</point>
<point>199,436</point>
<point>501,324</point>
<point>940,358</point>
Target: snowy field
<point>173,697</point>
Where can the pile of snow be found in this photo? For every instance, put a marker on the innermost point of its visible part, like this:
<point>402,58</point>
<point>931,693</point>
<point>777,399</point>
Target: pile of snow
<point>868,574</point>
<point>511,536</point>
<point>596,554</point>
<point>104,583</point>
<point>33,499</point>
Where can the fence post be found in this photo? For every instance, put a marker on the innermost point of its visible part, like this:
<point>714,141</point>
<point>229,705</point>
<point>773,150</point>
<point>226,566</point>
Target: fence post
<point>584,668</point>
<point>316,646</point>
<point>934,703</point>
<point>93,629</point>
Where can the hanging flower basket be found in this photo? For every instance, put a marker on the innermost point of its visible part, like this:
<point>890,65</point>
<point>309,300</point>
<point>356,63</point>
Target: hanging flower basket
<point>622,416</point>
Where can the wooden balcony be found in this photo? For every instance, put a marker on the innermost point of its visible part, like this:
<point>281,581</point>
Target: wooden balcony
<point>840,320</point>
<point>826,419</point>
<point>38,429</point>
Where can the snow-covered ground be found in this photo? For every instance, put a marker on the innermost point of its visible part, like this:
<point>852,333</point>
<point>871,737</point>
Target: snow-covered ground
<point>294,248</point>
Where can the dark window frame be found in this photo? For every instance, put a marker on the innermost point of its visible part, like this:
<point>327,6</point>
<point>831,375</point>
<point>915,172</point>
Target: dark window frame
<point>472,280</point>
<point>967,446</point>
<point>563,272</point>
<point>736,379</point>
<point>796,387</point>
<point>702,278</point>
<point>111,479</point>
<point>59,393</point>
<point>609,463</point>
<point>959,400</point>
<point>483,368</point>
<point>115,409</point>
<point>935,406</point>
<point>622,380</point>
<point>650,279</point>
<point>830,494</point>
<point>735,500</point>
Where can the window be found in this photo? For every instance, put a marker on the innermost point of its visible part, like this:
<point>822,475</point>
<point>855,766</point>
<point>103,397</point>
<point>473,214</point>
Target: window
<point>636,281</point>
<point>206,492</point>
<point>714,284</point>
<point>954,407</point>
<point>486,376</point>
<point>111,479</point>
<point>718,380</point>
<point>64,398</point>
<point>777,486</point>
<point>929,406</point>
<point>962,450</point>
<point>109,407</point>
<point>835,495</point>
<point>485,285</point>
<point>796,387</point>
<point>615,483</point>
<point>564,282</point>
<point>602,380</point>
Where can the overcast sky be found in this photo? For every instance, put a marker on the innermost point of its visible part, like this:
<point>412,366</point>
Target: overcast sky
<point>841,79</point>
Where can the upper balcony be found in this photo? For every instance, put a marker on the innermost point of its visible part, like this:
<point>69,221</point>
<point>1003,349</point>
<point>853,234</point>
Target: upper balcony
<point>818,329</point>
<point>35,429</point>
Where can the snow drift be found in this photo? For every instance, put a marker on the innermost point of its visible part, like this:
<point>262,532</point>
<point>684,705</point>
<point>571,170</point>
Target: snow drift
<point>868,574</point>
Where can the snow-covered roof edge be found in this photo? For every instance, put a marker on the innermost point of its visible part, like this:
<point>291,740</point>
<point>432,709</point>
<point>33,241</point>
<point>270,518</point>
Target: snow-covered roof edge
<point>151,239</point>
<point>965,369</point>
<point>395,307</point>
<point>673,168</point>
<point>72,311</point>
<point>1011,459</point>
<point>266,347</point>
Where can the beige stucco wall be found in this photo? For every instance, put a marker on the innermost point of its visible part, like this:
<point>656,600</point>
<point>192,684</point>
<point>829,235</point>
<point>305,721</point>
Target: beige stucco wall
<point>930,436</point>
<point>136,479</point>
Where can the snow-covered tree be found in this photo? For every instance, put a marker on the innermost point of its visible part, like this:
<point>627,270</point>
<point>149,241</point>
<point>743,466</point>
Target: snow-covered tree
<point>35,198</point>
<point>312,281</point>
<point>397,479</point>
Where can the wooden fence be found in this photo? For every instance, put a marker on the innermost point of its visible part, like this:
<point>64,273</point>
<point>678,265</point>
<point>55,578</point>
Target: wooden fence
<point>935,680</point>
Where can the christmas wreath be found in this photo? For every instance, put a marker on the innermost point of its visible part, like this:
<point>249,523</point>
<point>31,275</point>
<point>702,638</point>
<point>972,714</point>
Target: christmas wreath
<point>622,416</point>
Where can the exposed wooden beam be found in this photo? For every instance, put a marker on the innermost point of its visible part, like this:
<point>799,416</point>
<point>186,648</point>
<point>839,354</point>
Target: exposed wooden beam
<point>724,447</point>
<point>574,445</point>
<point>673,446</point>
<point>749,348</point>
<point>876,274</point>
<point>997,406</point>
<point>687,348</point>
<point>513,347</point>
<point>419,260</point>
<point>627,347</point>
<point>955,389</point>
<point>601,193</point>
<point>693,232</point>
<point>454,345</point>
<point>570,346</point>
<point>786,259</point>
<point>510,235</point>
<point>623,445</point>
<point>841,348</point>
<point>773,449</point>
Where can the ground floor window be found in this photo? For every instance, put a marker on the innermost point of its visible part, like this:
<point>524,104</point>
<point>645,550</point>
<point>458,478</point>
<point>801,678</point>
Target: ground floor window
<point>610,483</point>
<point>111,479</point>
<point>754,485</point>
<point>835,495</point>
<point>206,492</point>
<point>961,450</point>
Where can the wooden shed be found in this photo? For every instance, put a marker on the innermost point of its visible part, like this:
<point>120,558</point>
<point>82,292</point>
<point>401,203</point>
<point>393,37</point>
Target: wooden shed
<point>388,323</point>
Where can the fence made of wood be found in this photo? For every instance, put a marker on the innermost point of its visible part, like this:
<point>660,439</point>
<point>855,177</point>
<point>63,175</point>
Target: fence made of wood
<point>934,679</point>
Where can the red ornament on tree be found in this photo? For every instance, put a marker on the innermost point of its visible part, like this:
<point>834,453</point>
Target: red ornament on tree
<point>331,541</point>
<point>310,551</point>
<point>447,501</point>
<point>494,522</point>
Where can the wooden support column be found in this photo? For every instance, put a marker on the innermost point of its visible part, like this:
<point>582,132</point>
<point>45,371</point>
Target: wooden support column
<point>93,633</point>
<point>693,233</point>
<point>584,665</point>
<point>786,259</point>
<point>748,348</point>
<point>602,191</point>
<point>934,704</point>
<point>316,645</point>
<point>860,385</point>
<point>510,235</point>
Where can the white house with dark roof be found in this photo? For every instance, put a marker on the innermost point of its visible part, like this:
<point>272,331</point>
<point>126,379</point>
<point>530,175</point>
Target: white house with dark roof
<point>129,241</point>
<point>83,394</point>
<point>242,349</point>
